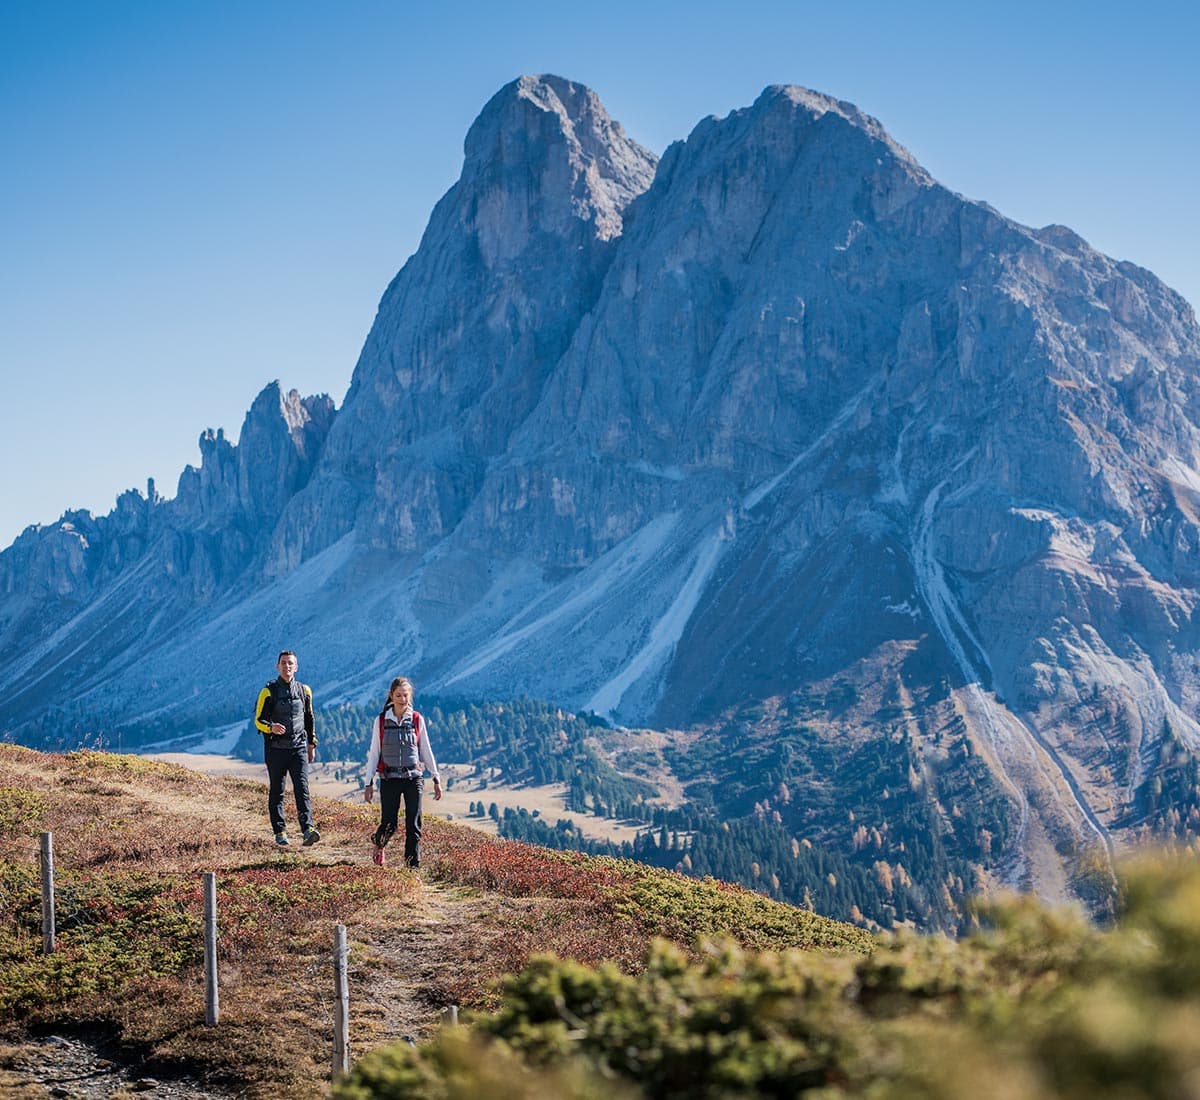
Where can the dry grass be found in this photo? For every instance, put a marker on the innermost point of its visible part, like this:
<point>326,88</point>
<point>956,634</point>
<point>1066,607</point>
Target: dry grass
<point>132,838</point>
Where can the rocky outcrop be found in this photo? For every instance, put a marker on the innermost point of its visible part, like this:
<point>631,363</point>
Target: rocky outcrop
<point>470,330</point>
<point>119,586</point>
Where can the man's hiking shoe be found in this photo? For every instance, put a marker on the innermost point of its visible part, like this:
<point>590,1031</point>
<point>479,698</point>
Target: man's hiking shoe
<point>311,836</point>
<point>379,855</point>
<point>281,838</point>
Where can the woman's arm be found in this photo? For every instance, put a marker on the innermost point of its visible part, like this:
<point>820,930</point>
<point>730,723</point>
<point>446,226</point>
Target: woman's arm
<point>426,751</point>
<point>372,756</point>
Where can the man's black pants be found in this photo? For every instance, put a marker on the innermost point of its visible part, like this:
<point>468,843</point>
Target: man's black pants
<point>280,764</point>
<point>390,793</point>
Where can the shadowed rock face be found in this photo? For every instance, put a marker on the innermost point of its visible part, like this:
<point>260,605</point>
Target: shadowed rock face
<point>468,333</point>
<point>663,439</point>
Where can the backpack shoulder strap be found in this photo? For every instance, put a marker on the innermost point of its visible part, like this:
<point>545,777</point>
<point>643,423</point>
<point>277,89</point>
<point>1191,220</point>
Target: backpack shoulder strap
<point>381,767</point>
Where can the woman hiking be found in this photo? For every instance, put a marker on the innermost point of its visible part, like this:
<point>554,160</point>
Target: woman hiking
<point>399,754</point>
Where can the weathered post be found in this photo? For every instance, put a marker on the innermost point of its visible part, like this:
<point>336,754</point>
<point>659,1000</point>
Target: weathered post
<point>212,1003</point>
<point>341,1005</point>
<point>450,1015</point>
<point>47,867</point>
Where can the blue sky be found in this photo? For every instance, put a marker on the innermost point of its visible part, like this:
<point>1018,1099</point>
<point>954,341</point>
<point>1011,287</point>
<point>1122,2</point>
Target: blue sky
<point>198,198</point>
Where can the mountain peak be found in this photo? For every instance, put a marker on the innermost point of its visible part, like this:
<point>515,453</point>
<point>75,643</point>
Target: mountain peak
<point>299,415</point>
<point>818,104</point>
<point>558,134</point>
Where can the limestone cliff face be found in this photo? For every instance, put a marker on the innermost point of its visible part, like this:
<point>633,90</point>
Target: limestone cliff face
<point>470,330</point>
<point>665,439</point>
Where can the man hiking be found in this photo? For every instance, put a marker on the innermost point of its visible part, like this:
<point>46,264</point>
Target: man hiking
<point>284,716</point>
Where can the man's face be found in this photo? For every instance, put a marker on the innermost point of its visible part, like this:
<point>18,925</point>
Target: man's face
<point>287,667</point>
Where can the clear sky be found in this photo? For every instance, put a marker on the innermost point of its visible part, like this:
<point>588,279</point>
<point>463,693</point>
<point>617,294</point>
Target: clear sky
<point>199,198</point>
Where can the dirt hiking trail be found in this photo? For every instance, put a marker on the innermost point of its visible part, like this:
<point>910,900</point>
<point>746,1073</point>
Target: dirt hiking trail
<point>406,957</point>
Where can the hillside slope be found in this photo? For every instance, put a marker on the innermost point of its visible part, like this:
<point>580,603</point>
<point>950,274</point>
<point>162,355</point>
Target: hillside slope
<point>131,840</point>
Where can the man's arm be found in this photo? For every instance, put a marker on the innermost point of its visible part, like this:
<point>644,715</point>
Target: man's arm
<point>261,721</point>
<point>310,722</point>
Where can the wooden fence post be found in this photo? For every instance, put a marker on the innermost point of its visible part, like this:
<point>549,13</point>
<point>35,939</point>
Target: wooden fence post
<point>341,1005</point>
<point>450,1015</point>
<point>212,1001</point>
<point>47,869</point>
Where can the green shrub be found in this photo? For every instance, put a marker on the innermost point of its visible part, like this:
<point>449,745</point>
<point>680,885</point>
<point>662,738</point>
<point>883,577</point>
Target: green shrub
<point>462,1066</point>
<point>21,810</point>
<point>1038,1005</point>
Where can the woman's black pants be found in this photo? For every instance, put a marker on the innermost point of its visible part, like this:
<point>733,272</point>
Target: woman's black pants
<point>391,791</point>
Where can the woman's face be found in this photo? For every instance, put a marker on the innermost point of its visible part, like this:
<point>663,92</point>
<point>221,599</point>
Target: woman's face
<point>401,696</point>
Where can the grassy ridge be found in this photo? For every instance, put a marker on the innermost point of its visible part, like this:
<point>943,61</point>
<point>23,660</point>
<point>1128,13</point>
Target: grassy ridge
<point>132,837</point>
<point>637,899</point>
<point>554,958</point>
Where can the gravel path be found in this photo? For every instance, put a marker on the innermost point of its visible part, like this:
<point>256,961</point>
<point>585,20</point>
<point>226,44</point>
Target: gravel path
<point>77,1068</point>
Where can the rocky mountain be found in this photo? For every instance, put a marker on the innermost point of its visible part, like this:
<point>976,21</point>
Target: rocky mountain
<point>776,419</point>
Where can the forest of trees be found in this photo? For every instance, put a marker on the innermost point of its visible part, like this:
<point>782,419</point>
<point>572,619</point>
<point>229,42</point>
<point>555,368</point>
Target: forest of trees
<point>1167,803</point>
<point>843,832</point>
<point>860,832</point>
<point>869,831</point>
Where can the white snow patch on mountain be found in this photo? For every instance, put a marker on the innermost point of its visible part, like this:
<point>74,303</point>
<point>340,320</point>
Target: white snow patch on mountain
<point>668,473</point>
